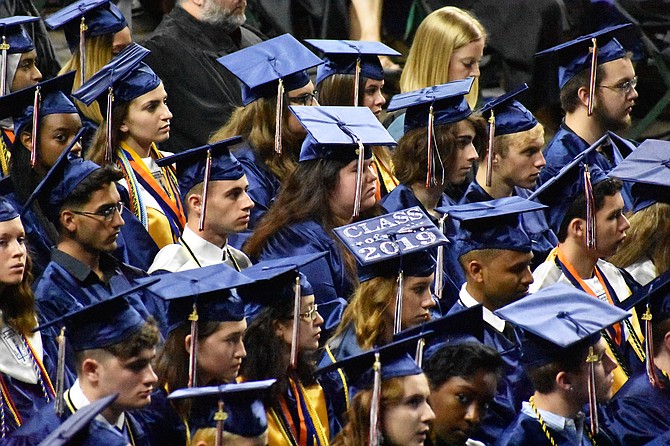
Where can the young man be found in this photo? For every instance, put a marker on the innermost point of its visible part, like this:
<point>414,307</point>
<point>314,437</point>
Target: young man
<point>225,205</point>
<point>567,362</point>
<point>496,261</point>
<point>516,164</point>
<point>113,346</point>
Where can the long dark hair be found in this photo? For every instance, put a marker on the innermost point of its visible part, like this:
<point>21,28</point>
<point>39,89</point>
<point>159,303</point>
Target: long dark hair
<point>18,303</point>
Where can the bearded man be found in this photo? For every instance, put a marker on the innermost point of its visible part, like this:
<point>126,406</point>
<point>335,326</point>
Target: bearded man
<point>184,47</point>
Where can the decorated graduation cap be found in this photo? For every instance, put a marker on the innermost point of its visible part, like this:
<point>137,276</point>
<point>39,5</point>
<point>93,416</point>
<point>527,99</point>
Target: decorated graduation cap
<point>431,106</point>
<point>359,58</point>
<point>269,69</point>
<point>200,295</point>
<point>29,105</point>
<point>120,81</point>
<point>559,321</point>
<point>587,52</point>
<point>563,186</point>
<point>98,325</point>
<point>66,433</point>
<point>344,134</point>
<point>491,224</point>
<point>7,211</point>
<point>239,407</point>
<point>462,326</point>
<point>395,243</point>
<point>211,162</point>
<point>15,40</point>
<point>648,167</point>
<point>371,368</point>
<point>279,281</point>
<point>505,115</point>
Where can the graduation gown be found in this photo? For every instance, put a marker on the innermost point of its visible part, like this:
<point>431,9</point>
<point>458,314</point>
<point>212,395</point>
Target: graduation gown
<point>527,431</point>
<point>534,223</point>
<point>203,93</point>
<point>160,422</point>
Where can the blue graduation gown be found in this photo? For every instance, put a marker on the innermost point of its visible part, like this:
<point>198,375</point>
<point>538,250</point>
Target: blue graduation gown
<point>638,413</point>
<point>402,197</point>
<point>513,388</point>
<point>527,431</point>
<point>327,275</point>
<point>161,422</point>
<point>534,223</point>
<point>27,398</point>
<point>263,188</point>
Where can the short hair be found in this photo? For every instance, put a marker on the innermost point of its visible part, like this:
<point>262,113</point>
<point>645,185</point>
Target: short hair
<point>658,331</point>
<point>95,181</point>
<point>502,143</point>
<point>543,378</point>
<point>482,255</point>
<point>461,360</point>
<point>568,94</point>
<point>577,209</point>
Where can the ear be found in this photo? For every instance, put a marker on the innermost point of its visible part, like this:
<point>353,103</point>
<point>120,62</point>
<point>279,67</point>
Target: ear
<point>194,202</point>
<point>279,327</point>
<point>26,140</point>
<point>565,381</point>
<point>90,369</point>
<point>68,221</point>
<point>583,95</point>
<point>187,344</point>
<point>123,127</point>
<point>475,269</point>
<point>577,227</point>
<point>666,341</point>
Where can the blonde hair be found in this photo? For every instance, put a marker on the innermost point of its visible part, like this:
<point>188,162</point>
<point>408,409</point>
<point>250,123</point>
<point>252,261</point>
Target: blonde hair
<point>98,53</point>
<point>502,143</point>
<point>439,35</point>
<point>648,236</point>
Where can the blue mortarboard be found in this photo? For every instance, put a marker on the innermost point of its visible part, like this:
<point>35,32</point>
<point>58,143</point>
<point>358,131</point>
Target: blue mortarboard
<point>205,290</point>
<point>394,242</point>
<point>648,167</point>
<point>447,102</point>
<point>241,402</point>
<point>510,116</point>
<point>54,98</point>
<point>7,211</point>
<point>575,56</point>
<point>342,56</point>
<point>15,35</point>
<point>261,66</point>
<point>64,434</point>
<point>557,318</point>
<point>491,224</point>
<point>99,17</point>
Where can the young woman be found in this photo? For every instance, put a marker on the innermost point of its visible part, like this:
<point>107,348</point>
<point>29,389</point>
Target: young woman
<point>140,119</point>
<point>26,386</point>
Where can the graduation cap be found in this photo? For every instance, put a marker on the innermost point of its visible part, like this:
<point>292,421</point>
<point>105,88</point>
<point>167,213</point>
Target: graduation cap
<point>48,98</point>
<point>455,328</point>
<point>355,57</point>
<point>371,368</point>
<point>78,421</point>
<point>120,81</point>
<point>7,211</point>
<point>239,407</point>
<point>431,106</point>
<point>211,162</point>
<point>15,40</point>
<point>587,52</point>
<point>279,281</point>
<point>505,116</point>
<point>394,243</point>
<point>491,224</point>
<point>86,18</point>
<point>648,167</point>
<point>99,325</point>
<point>558,321</point>
<point>269,69</point>
<point>342,133</point>
<point>200,295</point>
<point>563,186</point>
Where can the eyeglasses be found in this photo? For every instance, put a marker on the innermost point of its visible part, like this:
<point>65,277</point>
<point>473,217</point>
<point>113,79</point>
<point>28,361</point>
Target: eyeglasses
<point>304,99</point>
<point>310,314</point>
<point>624,87</point>
<point>106,213</point>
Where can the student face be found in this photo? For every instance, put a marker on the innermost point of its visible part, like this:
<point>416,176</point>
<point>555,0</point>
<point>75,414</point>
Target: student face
<point>506,277</point>
<point>12,252</point>
<point>228,207</point>
<point>300,97</point>
<point>613,105</point>
<point>220,354</point>
<point>523,162</point>
<point>133,379</point>
<point>343,196</point>
<point>147,120</point>
<point>310,326</point>
<point>604,369</point>
<point>407,422</point>
<point>93,232</point>
<point>464,155</point>
<point>465,60</point>
<point>121,40</point>
<point>417,300</point>
<point>460,404</point>
<point>611,225</point>
<point>27,74</point>
<point>56,132</point>
<point>373,98</point>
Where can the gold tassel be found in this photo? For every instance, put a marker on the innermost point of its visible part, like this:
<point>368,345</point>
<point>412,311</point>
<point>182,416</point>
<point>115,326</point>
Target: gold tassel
<point>295,335</point>
<point>4,47</point>
<point>36,107</point>
<point>594,69</point>
<point>192,356</point>
<point>376,401</point>
<point>489,153</point>
<point>82,49</point>
<point>357,77</point>
<point>278,116</point>
<point>592,360</point>
<point>359,178</point>
<point>220,417</point>
<point>205,189</point>
<point>59,404</point>
<point>397,321</point>
<point>649,350</point>
<point>108,116</point>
